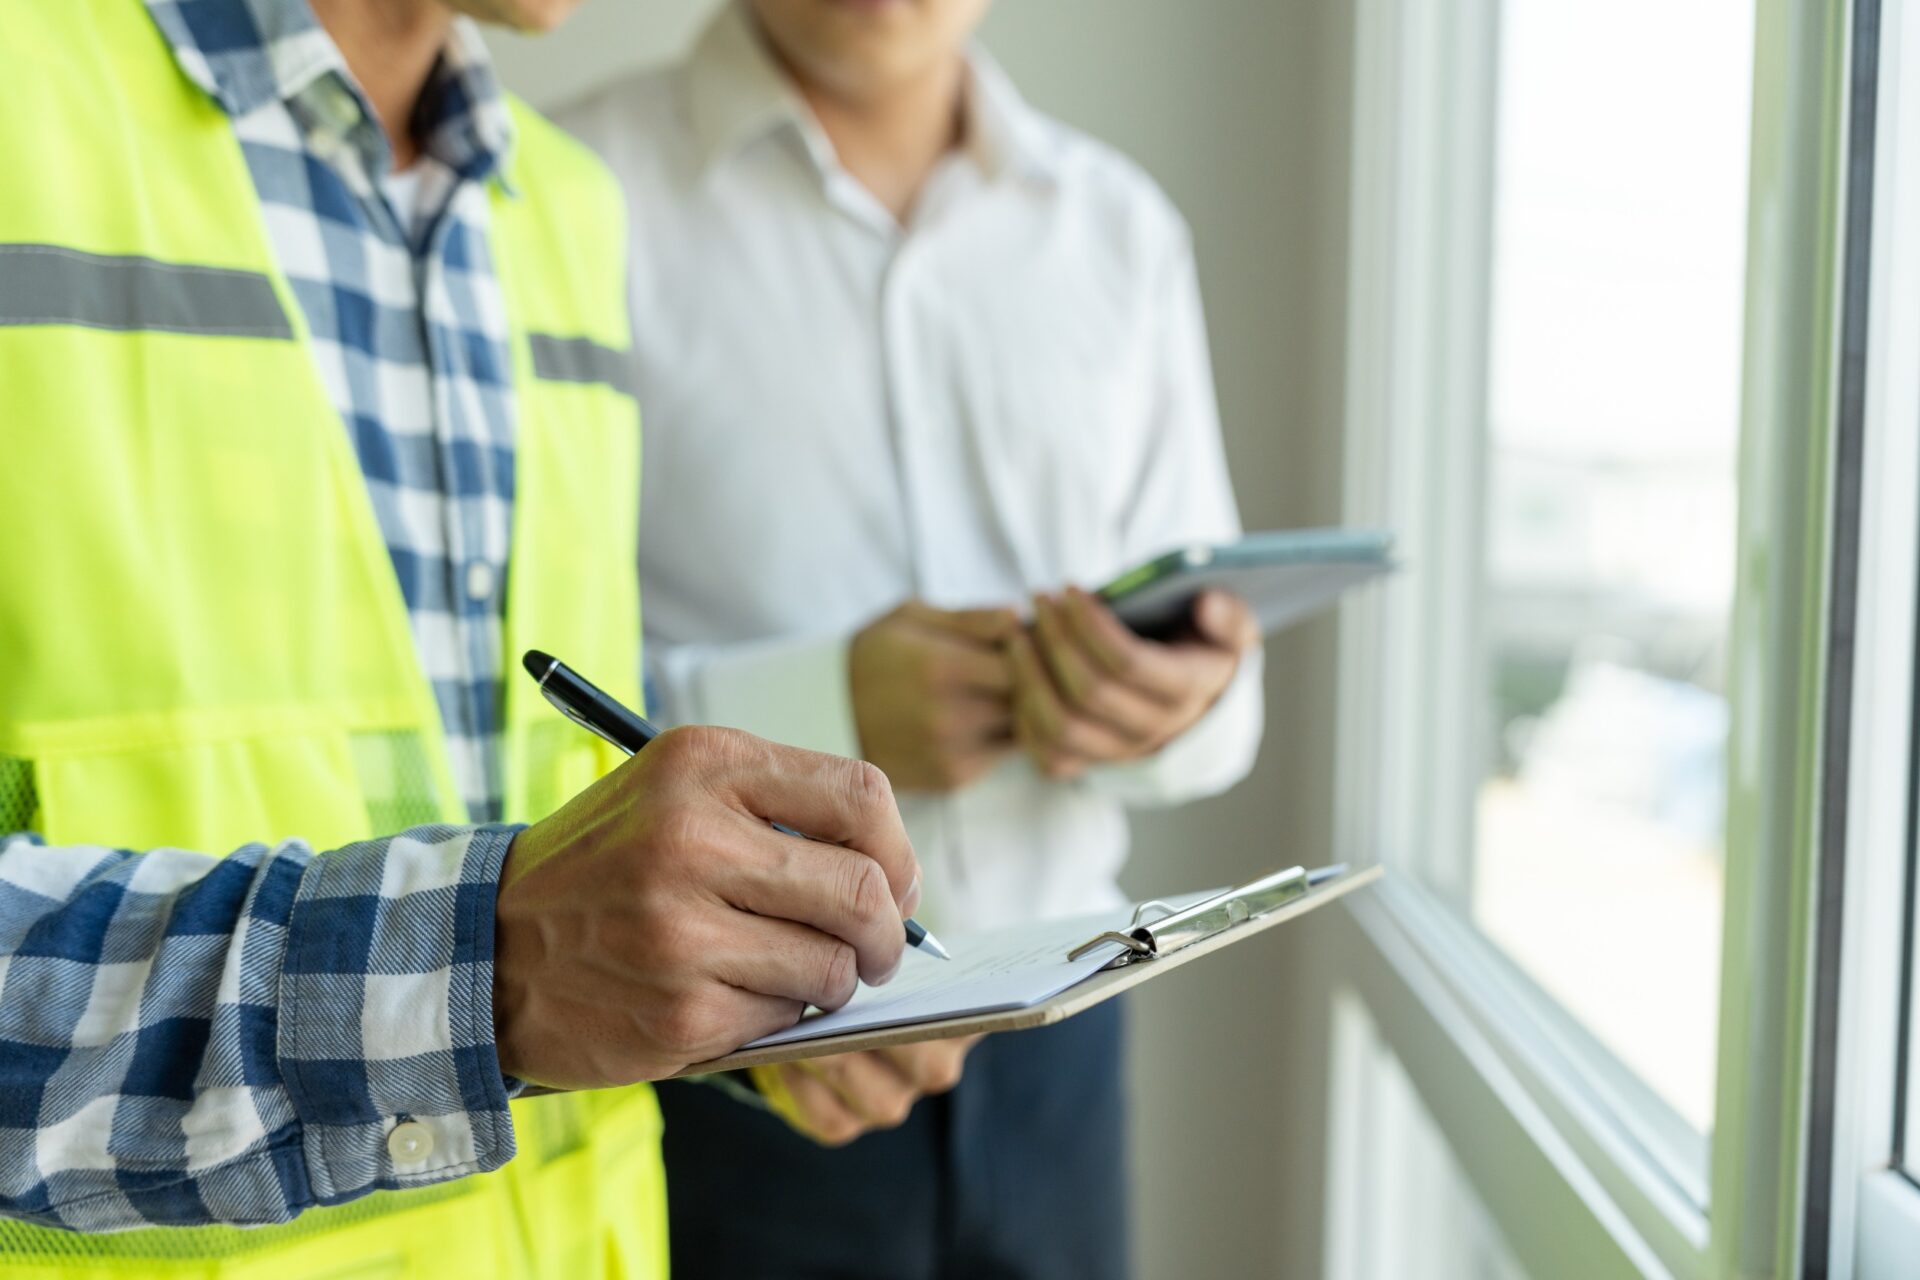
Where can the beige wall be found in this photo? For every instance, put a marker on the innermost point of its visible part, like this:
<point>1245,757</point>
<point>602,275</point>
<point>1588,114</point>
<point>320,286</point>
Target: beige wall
<point>1238,107</point>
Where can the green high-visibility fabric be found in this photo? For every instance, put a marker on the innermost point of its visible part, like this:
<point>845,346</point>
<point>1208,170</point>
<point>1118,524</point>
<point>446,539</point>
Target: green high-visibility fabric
<point>202,639</point>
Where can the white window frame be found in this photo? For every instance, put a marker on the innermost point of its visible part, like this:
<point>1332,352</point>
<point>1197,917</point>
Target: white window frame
<point>1573,1159</point>
<point>1872,1219</point>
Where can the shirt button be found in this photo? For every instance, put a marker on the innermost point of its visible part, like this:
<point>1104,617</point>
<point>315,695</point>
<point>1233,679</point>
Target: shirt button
<point>410,1141</point>
<point>479,581</point>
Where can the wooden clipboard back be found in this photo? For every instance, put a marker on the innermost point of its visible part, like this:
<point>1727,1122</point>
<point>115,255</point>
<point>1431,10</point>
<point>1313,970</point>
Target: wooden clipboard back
<point>1084,995</point>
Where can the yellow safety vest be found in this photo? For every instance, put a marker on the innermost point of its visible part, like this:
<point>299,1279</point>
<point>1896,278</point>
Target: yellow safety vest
<point>202,638</point>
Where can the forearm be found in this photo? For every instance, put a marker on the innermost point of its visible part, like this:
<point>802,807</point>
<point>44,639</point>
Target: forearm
<point>189,1039</point>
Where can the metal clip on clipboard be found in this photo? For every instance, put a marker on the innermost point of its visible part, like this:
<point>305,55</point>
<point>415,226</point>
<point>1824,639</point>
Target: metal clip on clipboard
<point>1170,931</point>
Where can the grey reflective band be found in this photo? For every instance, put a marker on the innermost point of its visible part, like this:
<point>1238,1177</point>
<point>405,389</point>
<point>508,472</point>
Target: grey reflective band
<point>45,284</point>
<point>579,360</point>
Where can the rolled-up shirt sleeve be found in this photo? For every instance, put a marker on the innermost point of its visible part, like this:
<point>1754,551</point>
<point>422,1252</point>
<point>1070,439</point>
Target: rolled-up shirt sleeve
<point>188,1039</point>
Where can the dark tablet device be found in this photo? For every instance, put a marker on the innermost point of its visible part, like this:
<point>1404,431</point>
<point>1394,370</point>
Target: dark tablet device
<point>1284,574</point>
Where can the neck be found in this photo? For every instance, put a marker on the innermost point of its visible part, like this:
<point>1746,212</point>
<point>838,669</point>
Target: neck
<point>390,47</point>
<point>890,142</point>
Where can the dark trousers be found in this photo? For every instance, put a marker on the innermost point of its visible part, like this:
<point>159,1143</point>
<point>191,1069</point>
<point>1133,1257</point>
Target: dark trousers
<point>1020,1172</point>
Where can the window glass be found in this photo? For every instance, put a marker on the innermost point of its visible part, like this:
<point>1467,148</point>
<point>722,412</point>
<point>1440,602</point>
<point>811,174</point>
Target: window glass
<point>1613,395</point>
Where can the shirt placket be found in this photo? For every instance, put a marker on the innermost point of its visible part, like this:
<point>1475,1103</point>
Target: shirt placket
<point>473,565</point>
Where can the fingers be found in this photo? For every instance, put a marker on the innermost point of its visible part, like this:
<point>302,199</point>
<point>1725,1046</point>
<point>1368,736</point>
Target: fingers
<point>1085,682</point>
<point>959,667</point>
<point>963,645</point>
<point>834,1100</point>
<point>809,1104</point>
<point>847,802</point>
<point>781,958</point>
<point>1226,620</point>
<point>839,892</point>
<point>933,1066</point>
<point>1044,722</point>
<point>964,722</point>
<point>870,1086</point>
<point>1186,675</point>
<point>1144,665</point>
<point>723,1019</point>
<point>984,626</point>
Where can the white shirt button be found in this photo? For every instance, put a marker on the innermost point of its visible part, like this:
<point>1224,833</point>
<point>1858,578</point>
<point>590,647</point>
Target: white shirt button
<point>479,581</point>
<point>409,1142</point>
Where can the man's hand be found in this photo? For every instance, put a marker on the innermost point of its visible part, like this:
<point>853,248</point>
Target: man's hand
<point>932,693</point>
<point>658,920</point>
<point>835,1100</point>
<point>1088,690</point>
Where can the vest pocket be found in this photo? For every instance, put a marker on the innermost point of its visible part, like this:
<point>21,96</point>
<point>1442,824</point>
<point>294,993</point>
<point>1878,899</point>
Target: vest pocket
<point>599,1149</point>
<point>562,760</point>
<point>208,796</point>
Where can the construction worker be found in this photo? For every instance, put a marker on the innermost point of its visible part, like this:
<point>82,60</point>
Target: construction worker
<point>312,418</point>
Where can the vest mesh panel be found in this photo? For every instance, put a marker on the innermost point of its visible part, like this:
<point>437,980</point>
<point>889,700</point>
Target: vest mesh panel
<point>19,803</point>
<point>397,776</point>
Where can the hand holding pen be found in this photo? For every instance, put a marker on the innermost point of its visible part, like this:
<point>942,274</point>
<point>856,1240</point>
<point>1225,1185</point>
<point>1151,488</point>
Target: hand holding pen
<point>656,920</point>
<point>593,709</point>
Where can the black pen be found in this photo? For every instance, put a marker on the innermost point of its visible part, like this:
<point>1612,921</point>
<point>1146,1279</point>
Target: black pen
<point>593,709</point>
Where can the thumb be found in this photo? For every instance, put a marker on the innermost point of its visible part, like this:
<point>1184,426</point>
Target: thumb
<point>1224,619</point>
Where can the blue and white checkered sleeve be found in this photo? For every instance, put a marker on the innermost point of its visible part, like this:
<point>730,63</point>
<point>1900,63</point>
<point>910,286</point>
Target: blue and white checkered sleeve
<point>187,1039</point>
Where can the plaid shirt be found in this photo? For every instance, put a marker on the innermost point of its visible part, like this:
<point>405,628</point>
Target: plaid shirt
<point>186,1039</point>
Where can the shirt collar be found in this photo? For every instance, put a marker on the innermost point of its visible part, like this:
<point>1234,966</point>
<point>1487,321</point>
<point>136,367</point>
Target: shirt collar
<point>248,53</point>
<point>736,94</point>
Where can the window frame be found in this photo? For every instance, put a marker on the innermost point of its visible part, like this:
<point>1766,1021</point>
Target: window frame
<point>1479,1048</point>
<point>1864,1210</point>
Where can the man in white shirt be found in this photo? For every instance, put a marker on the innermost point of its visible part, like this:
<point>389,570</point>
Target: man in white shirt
<point>917,362</point>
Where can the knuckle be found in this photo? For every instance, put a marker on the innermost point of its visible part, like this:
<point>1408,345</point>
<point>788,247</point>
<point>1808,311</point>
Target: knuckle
<point>681,829</point>
<point>868,790</point>
<point>864,889</point>
<point>686,1028</point>
<point>941,1073</point>
<point>681,740</point>
<point>679,749</point>
<point>839,977</point>
<point>836,1131</point>
<point>702,746</point>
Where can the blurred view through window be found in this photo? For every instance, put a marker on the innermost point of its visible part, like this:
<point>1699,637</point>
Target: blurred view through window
<point>1613,392</point>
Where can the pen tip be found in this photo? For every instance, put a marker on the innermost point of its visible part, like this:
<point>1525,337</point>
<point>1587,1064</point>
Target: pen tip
<point>537,663</point>
<point>931,945</point>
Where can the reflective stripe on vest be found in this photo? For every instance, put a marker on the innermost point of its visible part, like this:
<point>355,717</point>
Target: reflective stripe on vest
<point>202,636</point>
<point>580,360</point>
<point>48,284</point>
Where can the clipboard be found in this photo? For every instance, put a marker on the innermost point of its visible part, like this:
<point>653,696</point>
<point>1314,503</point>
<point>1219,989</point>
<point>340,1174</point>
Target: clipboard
<point>1158,940</point>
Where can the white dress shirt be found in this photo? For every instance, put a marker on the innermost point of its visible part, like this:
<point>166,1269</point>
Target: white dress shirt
<point>1008,394</point>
